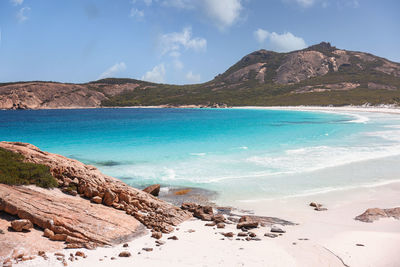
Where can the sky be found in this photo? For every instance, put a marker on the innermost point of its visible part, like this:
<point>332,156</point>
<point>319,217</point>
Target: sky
<point>178,41</point>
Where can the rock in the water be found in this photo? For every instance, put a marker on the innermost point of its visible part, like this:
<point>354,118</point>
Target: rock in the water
<point>374,214</point>
<point>153,189</point>
<point>97,199</point>
<point>20,225</point>
<point>125,254</point>
<point>276,229</point>
<point>247,222</point>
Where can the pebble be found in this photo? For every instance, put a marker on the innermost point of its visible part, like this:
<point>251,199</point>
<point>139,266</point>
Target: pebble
<point>147,249</point>
<point>173,237</point>
<point>276,229</point>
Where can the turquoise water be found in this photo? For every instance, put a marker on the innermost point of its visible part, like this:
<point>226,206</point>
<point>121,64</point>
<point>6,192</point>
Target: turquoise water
<point>240,153</point>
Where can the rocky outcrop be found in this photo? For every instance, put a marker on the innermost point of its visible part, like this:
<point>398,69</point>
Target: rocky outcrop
<point>371,215</point>
<point>66,218</point>
<point>89,182</point>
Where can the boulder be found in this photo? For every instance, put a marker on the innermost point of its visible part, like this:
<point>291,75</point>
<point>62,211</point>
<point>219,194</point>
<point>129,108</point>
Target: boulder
<point>220,225</point>
<point>276,229</point>
<point>156,235</point>
<point>229,234</point>
<point>96,199</point>
<point>204,213</point>
<point>125,254</point>
<point>374,214</point>
<point>218,218</point>
<point>153,189</point>
<point>109,197</point>
<point>247,222</point>
<point>48,233</point>
<point>20,225</point>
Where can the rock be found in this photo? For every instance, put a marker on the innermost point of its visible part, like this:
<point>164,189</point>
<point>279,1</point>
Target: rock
<point>204,213</point>
<point>125,245</point>
<point>374,214</point>
<point>96,199</point>
<point>320,209</point>
<point>147,249</point>
<point>80,254</point>
<point>20,225</point>
<point>251,234</point>
<point>1,232</point>
<point>59,237</point>
<point>360,245</point>
<point>125,254</point>
<point>48,233</point>
<point>153,189</point>
<point>212,224</point>
<point>156,235</point>
<point>59,254</point>
<point>77,216</point>
<point>220,225</point>
<point>276,229</point>
<point>173,237</point>
<point>113,258</point>
<point>242,234</point>
<point>247,222</point>
<point>218,218</point>
<point>270,235</point>
<point>109,197</point>
<point>314,204</point>
<point>191,231</point>
<point>229,234</point>
<point>233,219</point>
<point>160,242</point>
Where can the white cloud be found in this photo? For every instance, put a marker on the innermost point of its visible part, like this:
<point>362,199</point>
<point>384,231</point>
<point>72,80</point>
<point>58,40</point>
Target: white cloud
<point>224,12</point>
<point>284,42</point>
<point>116,68</point>
<point>21,14</point>
<point>136,13</point>
<point>147,2</point>
<point>17,2</point>
<point>193,78</point>
<point>157,74</point>
<point>305,3</point>
<point>261,35</point>
<point>173,42</point>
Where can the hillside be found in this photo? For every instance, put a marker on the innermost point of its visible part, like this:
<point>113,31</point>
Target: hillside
<point>318,75</point>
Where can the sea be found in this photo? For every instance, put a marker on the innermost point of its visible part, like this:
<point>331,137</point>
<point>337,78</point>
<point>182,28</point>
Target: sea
<point>241,154</point>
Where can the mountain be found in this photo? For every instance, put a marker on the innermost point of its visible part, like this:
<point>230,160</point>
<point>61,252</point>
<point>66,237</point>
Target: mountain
<point>318,75</point>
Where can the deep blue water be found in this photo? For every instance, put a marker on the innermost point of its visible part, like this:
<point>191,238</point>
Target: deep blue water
<point>227,150</point>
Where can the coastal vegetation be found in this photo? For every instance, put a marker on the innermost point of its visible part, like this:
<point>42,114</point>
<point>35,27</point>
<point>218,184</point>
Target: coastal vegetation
<point>14,171</point>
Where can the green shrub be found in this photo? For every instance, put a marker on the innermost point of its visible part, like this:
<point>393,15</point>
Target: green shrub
<point>14,171</point>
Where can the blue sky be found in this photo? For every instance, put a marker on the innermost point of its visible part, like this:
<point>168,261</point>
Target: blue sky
<point>178,41</point>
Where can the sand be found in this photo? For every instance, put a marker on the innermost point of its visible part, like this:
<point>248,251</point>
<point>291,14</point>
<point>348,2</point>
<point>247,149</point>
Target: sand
<point>331,236</point>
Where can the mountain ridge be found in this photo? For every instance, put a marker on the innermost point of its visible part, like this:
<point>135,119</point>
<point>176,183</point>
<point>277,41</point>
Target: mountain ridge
<point>317,75</point>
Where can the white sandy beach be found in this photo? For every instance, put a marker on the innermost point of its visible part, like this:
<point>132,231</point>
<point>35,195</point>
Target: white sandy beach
<point>332,235</point>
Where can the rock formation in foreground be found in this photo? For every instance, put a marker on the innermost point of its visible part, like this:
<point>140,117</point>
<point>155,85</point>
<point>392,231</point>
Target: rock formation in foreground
<point>75,218</point>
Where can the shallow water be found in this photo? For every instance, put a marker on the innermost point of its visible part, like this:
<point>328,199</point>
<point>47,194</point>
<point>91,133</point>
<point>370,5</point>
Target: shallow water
<point>241,153</point>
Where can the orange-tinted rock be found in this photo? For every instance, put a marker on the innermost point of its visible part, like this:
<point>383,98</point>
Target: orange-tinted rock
<point>20,225</point>
<point>153,189</point>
